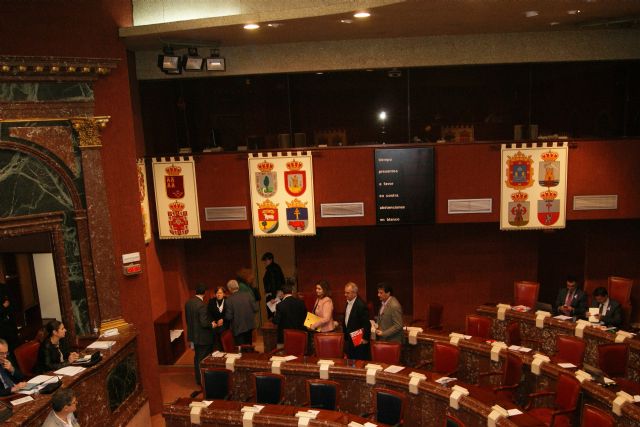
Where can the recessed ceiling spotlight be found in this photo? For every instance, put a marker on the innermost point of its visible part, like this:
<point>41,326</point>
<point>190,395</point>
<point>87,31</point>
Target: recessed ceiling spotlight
<point>573,12</point>
<point>274,24</point>
<point>346,21</point>
<point>319,73</point>
<point>531,13</point>
<point>361,15</point>
<point>251,26</point>
<point>554,23</point>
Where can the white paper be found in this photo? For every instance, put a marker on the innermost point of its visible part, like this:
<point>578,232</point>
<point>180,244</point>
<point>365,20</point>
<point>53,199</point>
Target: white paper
<point>207,402</point>
<point>636,398</point>
<point>218,354</point>
<point>513,412</point>
<point>367,424</point>
<point>514,347</point>
<point>524,349</point>
<point>101,345</point>
<point>594,310</point>
<point>563,317</point>
<point>22,400</point>
<point>608,380</point>
<point>567,365</point>
<point>83,359</point>
<point>40,379</point>
<point>467,337</point>
<point>394,369</point>
<point>445,380</point>
<point>289,358</point>
<point>175,334</point>
<point>271,305</point>
<point>69,370</point>
<point>111,332</point>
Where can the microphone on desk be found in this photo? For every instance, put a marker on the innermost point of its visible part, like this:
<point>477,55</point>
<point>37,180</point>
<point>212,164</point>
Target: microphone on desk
<point>51,387</point>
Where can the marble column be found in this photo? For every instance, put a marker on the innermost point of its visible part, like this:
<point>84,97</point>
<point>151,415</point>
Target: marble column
<point>99,222</point>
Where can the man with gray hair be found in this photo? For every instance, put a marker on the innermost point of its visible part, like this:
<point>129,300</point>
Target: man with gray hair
<point>241,310</point>
<point>357,328</point>
<point>10,375</point>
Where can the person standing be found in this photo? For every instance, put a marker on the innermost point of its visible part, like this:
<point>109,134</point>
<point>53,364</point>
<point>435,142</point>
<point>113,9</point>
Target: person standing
<point>10,375</point>
<point>63,405</point>
<point>246,279</point>
<point>389,318</point>
<point>217,311</point>
<point>323,308</point>
<point>290,312</point>
<point>199,328</point>
<point>571,301</point>
<point>272,280</point>
<point>241,313</point>
<point>356,318</point>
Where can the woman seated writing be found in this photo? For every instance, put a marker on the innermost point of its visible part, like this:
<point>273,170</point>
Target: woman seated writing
<point>54,352</point>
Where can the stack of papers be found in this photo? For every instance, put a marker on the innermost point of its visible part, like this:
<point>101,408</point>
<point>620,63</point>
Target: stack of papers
<point>394,369</point>
<point>445,380</point>
<point>519,348</point>
<point>22,400</point>
<point>69,371</point>
<point>254,408</point>
<point>563,317</point>
<point>567,365</point>
<point>101,345</point>
<point>35,384</point>
<point>513,412</point>
<point>218,354</point>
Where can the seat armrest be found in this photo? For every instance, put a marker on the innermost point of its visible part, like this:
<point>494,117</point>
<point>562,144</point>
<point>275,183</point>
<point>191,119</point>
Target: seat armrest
<point>534,396</point>
<point>554,414</point>
<point>423,363</point>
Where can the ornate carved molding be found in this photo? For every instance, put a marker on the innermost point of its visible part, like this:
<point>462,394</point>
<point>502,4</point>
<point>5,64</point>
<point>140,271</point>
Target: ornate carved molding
<point>53,68</point>
<point>88,130</point>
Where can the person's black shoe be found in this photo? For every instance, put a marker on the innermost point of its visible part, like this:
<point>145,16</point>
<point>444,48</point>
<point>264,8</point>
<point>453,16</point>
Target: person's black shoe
<point>195,393</point>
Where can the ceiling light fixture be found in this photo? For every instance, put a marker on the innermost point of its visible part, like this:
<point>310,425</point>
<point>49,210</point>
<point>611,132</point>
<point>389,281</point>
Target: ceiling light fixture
<point>361,15</point>
<point>531,13</point>
<point>215,62</point>
<point>168,61</point>
<point>574,12</point>
<point>346,21</point>
<point>274,24</point>
<point>192,61</point>
<point>251,26</point>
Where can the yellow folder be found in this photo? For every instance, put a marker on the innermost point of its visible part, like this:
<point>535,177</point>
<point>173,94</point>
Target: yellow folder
<point>311,319</point>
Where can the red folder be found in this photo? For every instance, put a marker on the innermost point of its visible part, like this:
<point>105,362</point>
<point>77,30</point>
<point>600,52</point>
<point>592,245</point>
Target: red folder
<point>356,337</point>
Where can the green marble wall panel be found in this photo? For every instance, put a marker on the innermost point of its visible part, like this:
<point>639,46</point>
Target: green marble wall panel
<point>45,91</point>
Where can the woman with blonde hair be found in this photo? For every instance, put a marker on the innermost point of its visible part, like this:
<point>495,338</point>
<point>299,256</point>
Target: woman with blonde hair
<point>323,308</point>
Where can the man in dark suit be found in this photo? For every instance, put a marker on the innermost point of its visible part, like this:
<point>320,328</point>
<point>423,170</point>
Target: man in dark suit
<point>199,328</point>
<point>609,310</point>
<point>290,312</point>
<point>241,313</point>
<point>571,300</point>
<point>10,375</point>
<point>356,317</point>
<point>273,279</point>
<point>390,316</point>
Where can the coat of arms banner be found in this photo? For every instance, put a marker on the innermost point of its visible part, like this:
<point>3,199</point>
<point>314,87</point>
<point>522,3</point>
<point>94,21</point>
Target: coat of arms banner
<point>534,186</point>
<point>282,195</point>
<point>174,181</point>
<point>144,199</point>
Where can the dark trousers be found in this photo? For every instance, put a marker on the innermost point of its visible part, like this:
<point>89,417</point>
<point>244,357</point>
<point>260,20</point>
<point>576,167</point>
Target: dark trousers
<point>201,351</point>
<point>361,352</point>
<point>244,337</point>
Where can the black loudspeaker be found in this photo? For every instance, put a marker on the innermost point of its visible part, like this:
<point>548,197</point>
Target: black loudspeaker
<point>51,387</point>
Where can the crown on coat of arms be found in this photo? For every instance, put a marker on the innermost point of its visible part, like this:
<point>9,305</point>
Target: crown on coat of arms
<point>173,170</point>
<point>520,157</point>
<point>267,204</point>
<point>176,206</point>
<point>294,165</point>
<point>549,195</point>
<point>295,203</point>
<point>549,156</point>
<point>519,196</point>
<point>265,166</point>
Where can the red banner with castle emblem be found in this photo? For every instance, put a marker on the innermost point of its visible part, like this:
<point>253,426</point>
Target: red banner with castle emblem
<point>534,186</point>
<point>282,194</point>
<point>176,198</point>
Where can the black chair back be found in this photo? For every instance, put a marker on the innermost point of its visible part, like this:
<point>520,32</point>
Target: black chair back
<point>217,384</point>
<point>269,388</point>
<point>388,408</point>
<point>323,396</point>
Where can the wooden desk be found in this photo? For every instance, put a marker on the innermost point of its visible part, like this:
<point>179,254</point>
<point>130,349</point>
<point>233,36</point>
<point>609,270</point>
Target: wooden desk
<point>225,412</point>
<point>427,408</point>
<point>109,393</point>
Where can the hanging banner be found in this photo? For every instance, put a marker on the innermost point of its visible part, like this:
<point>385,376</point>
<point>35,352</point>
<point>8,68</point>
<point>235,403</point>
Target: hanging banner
<point>534,186</point>
<point>144,199</point>
<point>281,189</point>
<point>174,182</point>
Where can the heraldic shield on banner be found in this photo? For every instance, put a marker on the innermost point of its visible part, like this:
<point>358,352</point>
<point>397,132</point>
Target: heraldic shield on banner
<point>266,179</point>
<point>297,216</point>
<point>519,209</point>
<point>295,179</point>
<point>178,219</point>
<point>549,170</point>
<point>174,182</point>
<point>519,171</point>
<point>548,208</point>
<point>268,216</point>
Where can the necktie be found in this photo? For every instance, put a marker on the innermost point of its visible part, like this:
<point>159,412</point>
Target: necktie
<point>567,301</point>
<point>601,309</point>
<point>6,380</point>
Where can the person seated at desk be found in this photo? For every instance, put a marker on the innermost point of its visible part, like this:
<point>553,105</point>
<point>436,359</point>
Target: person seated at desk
<point>54,352</point>
<point>10,375</point>
<point>63,404</point>
<point>609,310</point>
<point>571,300</point>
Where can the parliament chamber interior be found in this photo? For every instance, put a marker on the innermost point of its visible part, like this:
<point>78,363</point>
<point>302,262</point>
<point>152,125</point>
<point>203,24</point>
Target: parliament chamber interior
<point>343,213</point>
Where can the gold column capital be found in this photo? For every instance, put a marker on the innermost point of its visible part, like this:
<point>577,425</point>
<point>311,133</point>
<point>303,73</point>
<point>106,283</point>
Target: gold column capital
<point>88,130</point>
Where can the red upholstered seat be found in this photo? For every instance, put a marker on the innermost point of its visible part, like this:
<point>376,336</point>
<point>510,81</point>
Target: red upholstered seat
<point>569,349</point>
<point>229,345</point>
<point>613,359</point>
<point>433,316</point>
<point>511,374</point>
<point>295,343</point>
<point>620,290</point>
<point>445,358</point>
<point>27,356</point>
<point>478,326</point>
<point>564,404</point>
<point>452,421</point>
<point>594,417</point>
<point>513,337</point>
<point>526,293</point>
<point>329,345</point>
<point>386,352</point>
